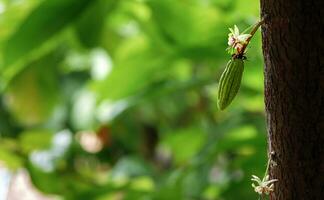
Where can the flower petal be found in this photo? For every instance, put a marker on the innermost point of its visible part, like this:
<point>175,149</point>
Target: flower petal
<point>236,30</point>
<point>269,182</point>
<point>243,37</point>
<point>255,177</point>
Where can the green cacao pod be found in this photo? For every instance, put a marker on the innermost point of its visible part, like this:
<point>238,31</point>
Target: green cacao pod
<point>230,82</point>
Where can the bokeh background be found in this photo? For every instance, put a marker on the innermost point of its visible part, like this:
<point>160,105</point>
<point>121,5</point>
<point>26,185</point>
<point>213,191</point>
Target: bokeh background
<point>116,99</point>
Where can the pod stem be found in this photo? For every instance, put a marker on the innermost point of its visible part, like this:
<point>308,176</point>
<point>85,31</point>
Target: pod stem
<point>253,31</point>
<point>267,169</point>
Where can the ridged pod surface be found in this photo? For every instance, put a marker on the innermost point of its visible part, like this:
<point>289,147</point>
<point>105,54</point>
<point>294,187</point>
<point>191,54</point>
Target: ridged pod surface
<point>230,82</point>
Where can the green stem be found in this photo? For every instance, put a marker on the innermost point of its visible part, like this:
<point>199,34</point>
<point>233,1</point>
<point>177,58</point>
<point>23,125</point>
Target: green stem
<point>267,169</point>
<point>253,31</point>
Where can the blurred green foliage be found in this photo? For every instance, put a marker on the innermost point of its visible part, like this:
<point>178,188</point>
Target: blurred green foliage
<point>109,100</point>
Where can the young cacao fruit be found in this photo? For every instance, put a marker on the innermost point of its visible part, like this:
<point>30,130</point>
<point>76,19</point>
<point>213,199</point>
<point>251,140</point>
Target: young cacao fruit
<point>230,82</point>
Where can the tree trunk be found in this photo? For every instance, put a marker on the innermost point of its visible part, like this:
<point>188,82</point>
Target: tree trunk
<point>293,50</point>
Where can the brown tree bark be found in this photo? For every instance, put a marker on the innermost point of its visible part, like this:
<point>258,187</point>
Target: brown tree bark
<point>293,48</point>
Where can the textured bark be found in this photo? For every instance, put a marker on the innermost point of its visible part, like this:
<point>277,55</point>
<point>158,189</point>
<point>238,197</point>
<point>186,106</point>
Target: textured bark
<point>294,96</point>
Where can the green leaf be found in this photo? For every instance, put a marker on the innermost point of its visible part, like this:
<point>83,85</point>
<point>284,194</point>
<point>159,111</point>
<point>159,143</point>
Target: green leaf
<point>35,140</point>
<point>90,26</point>
<point>187,25</point>
<point>33,94</point>
<point>129,167</point>
<point>46,182</point>
<point>8,157</point>
<point>136,66</point>
<point>44,22</point>
<point>184,143</point>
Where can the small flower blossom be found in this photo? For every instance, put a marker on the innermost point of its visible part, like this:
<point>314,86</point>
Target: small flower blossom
<point>264,186</point>
<point>236,40</point>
